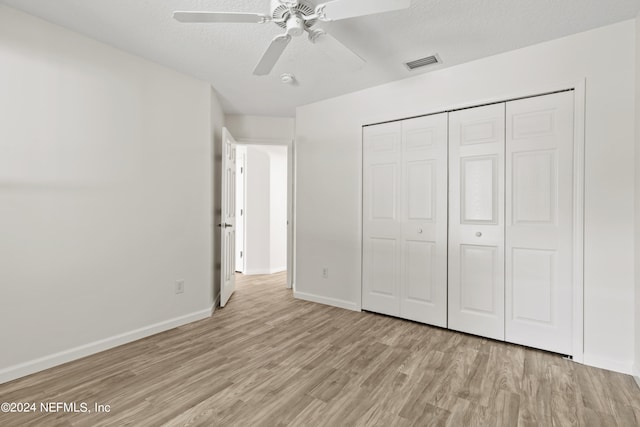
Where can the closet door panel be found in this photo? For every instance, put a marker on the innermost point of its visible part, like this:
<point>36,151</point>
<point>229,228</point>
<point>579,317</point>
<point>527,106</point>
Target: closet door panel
<point>539,231</point>
<point>479,189</point>
<point>424,221</point>
<point>382,175</point>
<point>479,268</point>
<point>420,261</point>
<point>476,221</point>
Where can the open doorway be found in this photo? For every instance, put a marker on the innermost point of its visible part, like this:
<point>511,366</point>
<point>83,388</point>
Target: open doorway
<point>262,209</point>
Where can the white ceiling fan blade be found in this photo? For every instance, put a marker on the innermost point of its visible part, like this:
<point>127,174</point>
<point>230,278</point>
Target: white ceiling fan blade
<point>209,17</point>
<point>271,56</point>
<point>335,50</point>
<point>343,9</point>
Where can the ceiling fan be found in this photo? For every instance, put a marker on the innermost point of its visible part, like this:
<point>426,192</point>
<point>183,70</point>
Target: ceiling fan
<point>298,17</point>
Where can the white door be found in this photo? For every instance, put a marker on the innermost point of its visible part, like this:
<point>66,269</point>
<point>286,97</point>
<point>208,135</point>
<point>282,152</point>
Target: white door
<point>539,231</point>
<point>228,234</point>
<point>423,295</point>
<point>381,227</point>
<point>240,209</point>
<point>476,220</point>
<point>405,219</point>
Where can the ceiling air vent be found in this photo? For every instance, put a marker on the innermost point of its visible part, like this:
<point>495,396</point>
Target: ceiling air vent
<point>423,62</point>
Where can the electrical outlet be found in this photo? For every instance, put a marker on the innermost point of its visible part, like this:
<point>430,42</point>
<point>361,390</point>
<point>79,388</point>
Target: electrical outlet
<point>179,286</point>
<point>325,272</point>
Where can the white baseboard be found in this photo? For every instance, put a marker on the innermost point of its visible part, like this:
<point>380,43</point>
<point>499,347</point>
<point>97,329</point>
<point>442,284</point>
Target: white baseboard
<point>636,374</point>
<point>348,305</point>
<point>258,271</point>
<point>608,364</point>
<point>27,368</point>
<point>578,358</point>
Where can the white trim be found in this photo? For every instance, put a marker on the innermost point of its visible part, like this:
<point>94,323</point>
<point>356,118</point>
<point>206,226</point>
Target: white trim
<point>579,112</point>
<point>291,200</point>
<point>636,374</point>
<point>533,90</point>
<point>334,302</point>
<point>360,176</point>
<point>264,141</point>
<point>46,362</point>
<point>291,192</point>
<point>608,364</point>
<point>263,271</point>
<point>243,217</point>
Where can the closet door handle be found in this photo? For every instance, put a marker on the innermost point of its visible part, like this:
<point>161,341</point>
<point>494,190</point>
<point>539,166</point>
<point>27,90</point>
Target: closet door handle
<point>478,234</point>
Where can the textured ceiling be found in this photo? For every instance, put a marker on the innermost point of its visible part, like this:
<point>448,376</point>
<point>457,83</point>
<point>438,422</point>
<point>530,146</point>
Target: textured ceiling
<point>225,54</point>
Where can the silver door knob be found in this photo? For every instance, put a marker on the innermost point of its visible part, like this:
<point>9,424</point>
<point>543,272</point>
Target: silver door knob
<point>478,234</point>
<point>419,230</point>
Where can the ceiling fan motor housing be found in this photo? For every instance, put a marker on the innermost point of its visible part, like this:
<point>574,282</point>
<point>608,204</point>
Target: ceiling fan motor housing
<point>283,10</point>
<point>295,26</point>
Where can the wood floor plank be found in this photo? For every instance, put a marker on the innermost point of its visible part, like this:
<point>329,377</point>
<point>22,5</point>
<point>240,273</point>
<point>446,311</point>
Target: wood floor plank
<point>267,359</point>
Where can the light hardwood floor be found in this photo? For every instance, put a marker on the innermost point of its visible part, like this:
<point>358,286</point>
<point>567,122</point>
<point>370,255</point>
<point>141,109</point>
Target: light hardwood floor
<point>269,360</point>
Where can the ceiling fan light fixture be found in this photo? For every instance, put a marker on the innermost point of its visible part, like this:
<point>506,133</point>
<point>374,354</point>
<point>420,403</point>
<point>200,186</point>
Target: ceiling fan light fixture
<point>295,26</point>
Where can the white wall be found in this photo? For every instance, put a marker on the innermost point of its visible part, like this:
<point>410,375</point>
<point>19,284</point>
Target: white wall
<point>328,145</point>
<point>105,196</point>
<point>266,209</point>
<point>278,207</point>
<point>257,213</point>
<point>261,128</point>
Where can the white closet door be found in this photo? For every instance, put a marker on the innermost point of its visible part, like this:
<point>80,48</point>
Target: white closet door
<point>539,232</point>
<point>476,220</point>
<point>424,220</point>
<point>381,226</point>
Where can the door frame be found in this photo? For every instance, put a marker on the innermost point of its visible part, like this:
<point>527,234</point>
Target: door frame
<point>241,224</point>
<point>290,197</point>
<point>579,123</point>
